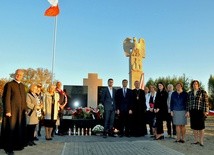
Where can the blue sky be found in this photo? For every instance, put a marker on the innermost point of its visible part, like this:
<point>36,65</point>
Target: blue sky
<point>179,37</point>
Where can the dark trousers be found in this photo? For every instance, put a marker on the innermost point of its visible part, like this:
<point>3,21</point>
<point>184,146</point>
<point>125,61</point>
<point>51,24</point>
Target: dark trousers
<point>30,132</point>
<point>116,122</point>
<point>41,123</point>
<point>171,129</point>
<point>109,121</point>
<point>61,129</point>
<point>124,119</point>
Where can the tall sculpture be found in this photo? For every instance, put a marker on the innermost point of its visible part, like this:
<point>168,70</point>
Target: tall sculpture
<point>135,50</point>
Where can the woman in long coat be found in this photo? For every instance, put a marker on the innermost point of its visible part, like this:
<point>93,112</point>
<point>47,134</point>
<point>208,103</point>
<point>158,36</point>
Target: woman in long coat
<point>34,106</point>
<point>160,109</point>
<point>51,108</point>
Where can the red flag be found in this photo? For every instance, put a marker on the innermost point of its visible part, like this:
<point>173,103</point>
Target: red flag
<point>53,10</point>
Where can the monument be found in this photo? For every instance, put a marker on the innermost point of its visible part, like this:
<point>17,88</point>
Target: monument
<point>92,82</point>
<point>77,96</point>
<point>135,50</point>
<point>85,95</point>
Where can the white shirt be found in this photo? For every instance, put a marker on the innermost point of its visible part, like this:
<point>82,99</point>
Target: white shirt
<point>147,100</point>
<point>110,91</point>
<point>169,100</point>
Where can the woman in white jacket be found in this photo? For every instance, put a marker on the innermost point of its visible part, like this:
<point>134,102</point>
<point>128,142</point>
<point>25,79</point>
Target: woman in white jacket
<point>51,108</point>
<point>150,115</point>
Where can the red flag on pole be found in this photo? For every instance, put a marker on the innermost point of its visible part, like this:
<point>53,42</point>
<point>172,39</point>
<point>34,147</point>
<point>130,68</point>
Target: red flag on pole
<point>53,10</point>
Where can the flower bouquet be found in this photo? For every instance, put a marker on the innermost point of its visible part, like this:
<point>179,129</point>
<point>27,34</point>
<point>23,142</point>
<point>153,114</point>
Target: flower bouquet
<point>82,113</point>
<point>101,110</point>
<point>67,113</point>
<point>85,113</point>
<point>97,130</point>
<point>98,112</point>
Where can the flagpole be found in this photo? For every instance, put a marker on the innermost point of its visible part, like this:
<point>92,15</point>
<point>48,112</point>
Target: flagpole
<point>54,49</point>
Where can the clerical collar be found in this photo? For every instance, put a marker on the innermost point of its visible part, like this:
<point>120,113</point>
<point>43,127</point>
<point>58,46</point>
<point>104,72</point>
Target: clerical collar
<point>17,81</point>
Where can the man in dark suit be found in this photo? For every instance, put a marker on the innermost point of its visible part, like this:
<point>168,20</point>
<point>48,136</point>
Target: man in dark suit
<point>108,100</point>
<point>124,98</point>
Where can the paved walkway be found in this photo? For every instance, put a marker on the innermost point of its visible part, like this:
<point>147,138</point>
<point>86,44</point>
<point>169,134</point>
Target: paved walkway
<point>96,145</point>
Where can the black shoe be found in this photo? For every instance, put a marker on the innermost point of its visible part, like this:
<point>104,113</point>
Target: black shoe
<point>60,134</point>
<point>19,148</point>
<point>33,143</point>
<point>113,135</point>
<point>159,138</point>
<point>30,143</point>
<point>201,144</point>
<point>35,138</point>
<point>195,143</point>
<point>48,138</point>
<point>10,152</point>
<point>26,144</point>
<point>104,135</point>
<point>181,141</point>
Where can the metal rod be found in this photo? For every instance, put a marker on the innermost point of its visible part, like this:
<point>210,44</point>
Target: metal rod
<point>54,50</point>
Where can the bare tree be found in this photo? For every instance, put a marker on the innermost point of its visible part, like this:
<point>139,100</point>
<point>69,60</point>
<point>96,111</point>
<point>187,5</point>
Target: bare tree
<point>211,91</point>
<point>171,80</point>
<point>38,75</point>
<point>3,81</point>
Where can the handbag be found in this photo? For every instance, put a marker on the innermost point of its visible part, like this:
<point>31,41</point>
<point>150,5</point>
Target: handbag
<point>31,111</point>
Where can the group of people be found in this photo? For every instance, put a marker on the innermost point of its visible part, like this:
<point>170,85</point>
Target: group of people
<point>131,110</point>
<point>23,112</point>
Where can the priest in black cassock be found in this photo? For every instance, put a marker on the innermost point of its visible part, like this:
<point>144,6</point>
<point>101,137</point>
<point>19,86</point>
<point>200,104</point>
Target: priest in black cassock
<point>14,117</point>
<point>139,110</point>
